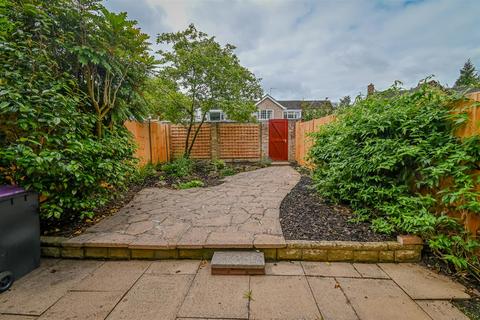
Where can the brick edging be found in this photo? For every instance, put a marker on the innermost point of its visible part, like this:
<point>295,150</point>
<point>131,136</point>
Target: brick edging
<point>406,249</point>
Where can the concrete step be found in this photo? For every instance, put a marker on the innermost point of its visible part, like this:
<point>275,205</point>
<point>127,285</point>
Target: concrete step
<point>280,163</point>
<point>238,262</point>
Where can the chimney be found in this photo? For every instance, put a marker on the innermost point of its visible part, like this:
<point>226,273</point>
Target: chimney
<point>370,89</point>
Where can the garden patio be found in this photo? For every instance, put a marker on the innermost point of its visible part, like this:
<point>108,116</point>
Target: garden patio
<point>185,289</point>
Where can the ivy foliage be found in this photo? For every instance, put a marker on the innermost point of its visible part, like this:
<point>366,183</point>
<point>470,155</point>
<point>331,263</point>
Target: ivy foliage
<point>395,159</point>
<point>47,128</point>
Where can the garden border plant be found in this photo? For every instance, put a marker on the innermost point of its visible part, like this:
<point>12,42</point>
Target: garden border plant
<point>57,138</point>
<point>395,159</point>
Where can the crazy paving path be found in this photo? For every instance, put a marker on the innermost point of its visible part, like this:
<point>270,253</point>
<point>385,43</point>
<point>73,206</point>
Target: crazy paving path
<point>238,213</point>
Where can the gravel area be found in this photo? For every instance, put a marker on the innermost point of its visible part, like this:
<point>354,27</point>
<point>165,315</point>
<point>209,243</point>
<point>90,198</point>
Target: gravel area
<point>304,215</point>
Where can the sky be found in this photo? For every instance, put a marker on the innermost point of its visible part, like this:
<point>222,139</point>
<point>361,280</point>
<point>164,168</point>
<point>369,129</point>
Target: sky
<point>328,49</point>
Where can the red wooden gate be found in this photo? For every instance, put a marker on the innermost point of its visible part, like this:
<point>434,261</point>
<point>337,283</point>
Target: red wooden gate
<point>278,139</point>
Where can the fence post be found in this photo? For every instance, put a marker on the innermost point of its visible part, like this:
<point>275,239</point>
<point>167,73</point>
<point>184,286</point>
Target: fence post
<point>150,139</point>
<point>214,143</point>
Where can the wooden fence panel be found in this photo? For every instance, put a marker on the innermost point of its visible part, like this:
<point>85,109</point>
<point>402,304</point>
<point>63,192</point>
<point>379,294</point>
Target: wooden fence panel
<point>303,141</point>
<point>239,141</point>
<point>201,148</point>
<point>153,141</point>
<point>160,137</point>
<point>472,127</point>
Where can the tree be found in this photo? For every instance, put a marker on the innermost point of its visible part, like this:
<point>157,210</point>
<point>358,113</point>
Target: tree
<point>47,128</point>
<point>115,63</point>
<point>345,102</point>
<point>468,75</point>
<point>313,111</point>
<point>198,74</point>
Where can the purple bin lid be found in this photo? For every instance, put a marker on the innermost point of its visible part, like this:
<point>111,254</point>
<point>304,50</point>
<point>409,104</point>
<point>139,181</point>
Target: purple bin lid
<point>8,191</point>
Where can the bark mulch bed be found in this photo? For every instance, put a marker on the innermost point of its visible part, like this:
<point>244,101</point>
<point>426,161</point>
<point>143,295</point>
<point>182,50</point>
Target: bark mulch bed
<point>206,172</point>
<point>72,226</point>
<point>304,215</point>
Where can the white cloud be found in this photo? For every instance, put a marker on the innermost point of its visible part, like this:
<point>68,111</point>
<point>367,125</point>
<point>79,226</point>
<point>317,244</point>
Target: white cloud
<point>318,49</point>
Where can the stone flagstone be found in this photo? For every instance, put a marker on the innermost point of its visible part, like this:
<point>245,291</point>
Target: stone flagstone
<point>376,299</point>
<point>281,297</point>
<point>330,299</point>
<point>370,270</point>
<point>15,317</point>
<point>329,269</point>
<point>114,276</point>
<point>284,268</point>
<point>174,267</point>
<point>83,306</point>
<point>441,310</point>
<point>153,297</point>
<point>421,283</point>
<point>36,292</point>
<point>216,297</point>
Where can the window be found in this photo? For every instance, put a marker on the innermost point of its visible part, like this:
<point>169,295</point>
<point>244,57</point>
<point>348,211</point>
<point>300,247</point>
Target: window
<point>265,114</point>
<point>291,115</point>
<point>216,115</point>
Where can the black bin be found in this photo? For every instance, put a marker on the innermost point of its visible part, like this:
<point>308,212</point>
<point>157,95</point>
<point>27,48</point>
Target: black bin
<point>19,234</point>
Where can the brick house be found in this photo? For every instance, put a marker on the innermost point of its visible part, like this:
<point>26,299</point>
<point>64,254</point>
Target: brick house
<point>270,108</point>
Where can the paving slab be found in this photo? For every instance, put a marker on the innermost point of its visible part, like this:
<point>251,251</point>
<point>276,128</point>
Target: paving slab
<point>370,270</point>
<point>37,291</point>
<point>284,268</point>
<point>269,241</point>
<point>153,297</point>
<point>83,306</point>
<point>174,267</point>
<point>216,296</point>
<point>330,299</point>
<point>282,297</point>
<point>194,238</point>
<point>329,269</point>
<point>238,259</point>
<point>113,276</point>
<point>376,299</point>
<point>422,283</point>
<point>239,213</point>
<point>109,239</point>
<point>441,310</point>
<point>225,240</point>
<point>16,317</point>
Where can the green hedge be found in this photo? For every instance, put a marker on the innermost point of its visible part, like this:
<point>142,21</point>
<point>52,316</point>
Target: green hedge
<point>384,149</point>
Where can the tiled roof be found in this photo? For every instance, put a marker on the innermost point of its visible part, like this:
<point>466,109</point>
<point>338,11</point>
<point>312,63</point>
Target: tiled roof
<point>301,104</point>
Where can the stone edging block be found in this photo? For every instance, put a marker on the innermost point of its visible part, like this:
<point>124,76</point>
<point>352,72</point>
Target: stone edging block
<point>406,249</point>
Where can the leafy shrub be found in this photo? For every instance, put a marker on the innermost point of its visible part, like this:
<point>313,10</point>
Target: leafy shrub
<point>179,168</point>
<point>143,173</point>
<point>228,171</point>
<point>75,178</point>
<point>46,125</point>
<point>190,184</point>
<point>265,162</point>
<point>389,157</point>
<point>218,164</point>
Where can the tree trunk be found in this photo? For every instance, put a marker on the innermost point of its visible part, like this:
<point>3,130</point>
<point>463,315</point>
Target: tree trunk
<point>99,127</point>
<point>186,153</point>
<point>197,130</point>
